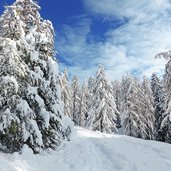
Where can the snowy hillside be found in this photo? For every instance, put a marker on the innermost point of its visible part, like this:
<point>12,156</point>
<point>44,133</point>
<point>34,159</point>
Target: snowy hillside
<point>94,151</point>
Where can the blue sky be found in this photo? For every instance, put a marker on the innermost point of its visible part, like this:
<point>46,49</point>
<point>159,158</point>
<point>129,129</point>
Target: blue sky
<point>124,36</point>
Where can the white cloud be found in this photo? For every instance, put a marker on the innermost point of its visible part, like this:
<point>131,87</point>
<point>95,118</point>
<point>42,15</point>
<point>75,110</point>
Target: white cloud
<point>126,8</point>
<point>128,49</point>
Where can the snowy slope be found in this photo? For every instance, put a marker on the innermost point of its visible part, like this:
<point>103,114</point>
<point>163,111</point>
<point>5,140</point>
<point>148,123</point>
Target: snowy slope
<point>94,151</point>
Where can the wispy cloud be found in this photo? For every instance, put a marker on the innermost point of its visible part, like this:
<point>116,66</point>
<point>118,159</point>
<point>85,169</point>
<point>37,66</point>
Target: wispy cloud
<point>128,48</point>
<point>126,8</point>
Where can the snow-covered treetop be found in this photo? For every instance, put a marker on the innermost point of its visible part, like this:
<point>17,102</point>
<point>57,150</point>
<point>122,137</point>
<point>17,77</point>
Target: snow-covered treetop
<point>101,77</point>
<point>100,71</point>
<point>22,0</point>
<point>166,55</point>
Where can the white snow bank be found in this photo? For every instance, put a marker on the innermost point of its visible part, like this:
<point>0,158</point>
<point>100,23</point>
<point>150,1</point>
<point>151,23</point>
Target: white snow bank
<point>94,151</point>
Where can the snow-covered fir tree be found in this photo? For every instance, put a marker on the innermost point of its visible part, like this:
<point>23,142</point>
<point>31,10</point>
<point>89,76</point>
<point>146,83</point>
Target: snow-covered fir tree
<point>31,111</point>
<point>91,82</point>
<point>84,102</point>
<point>90,85</point>
<point>75,95</point>
<point>116,92</point>
<point>134,108</point>
<point>131,110</point>
<point>166,123</point>
<point>131,105</point>
<point>122,93</point>
<point>159,106</point>
<point>148,110</point>
<point>102,115</point>
<point>66,94</point>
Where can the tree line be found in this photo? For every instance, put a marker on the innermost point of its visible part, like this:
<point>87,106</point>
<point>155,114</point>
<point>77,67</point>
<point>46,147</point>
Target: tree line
<point>131,107</point>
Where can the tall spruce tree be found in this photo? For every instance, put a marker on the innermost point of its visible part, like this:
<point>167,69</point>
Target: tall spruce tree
<point>116,92</point>
<point>31,111</point>
<point>83,107</point>
<point>102,115</point>
<point>91,82</point>
<point>90,85</point>
<point>166,122</point>
<point>66,94</point>
<point>136,107</point>
<point>75,93</point>
<point>131,107</point>
<point>159,106</point>
<point>148,110</point>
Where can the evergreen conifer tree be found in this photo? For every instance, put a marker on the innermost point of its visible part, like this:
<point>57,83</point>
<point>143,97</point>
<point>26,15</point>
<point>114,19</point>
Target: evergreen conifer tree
<point>136,108</point>
<point>75,94</point>
<point>131,109</point>
<point>90,85</point>
<point>83,105</point>
<point>66,94</point>
<point>31,111</point>
<point>159,105</point>
<point>166,122</point>
<point>148,110</point>
<point>102,115</point>
<point>116,92</point>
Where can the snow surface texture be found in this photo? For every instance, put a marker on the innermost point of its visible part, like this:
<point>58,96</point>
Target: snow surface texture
<point>94,151</point>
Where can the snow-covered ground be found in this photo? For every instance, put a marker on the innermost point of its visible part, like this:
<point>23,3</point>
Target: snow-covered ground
<point>94,151</point>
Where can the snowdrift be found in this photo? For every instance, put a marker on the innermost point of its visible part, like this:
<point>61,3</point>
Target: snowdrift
<point>94,151</point>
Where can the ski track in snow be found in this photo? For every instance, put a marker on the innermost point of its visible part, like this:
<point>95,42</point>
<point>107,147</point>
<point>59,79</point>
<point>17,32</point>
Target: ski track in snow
<point>94,151</point>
